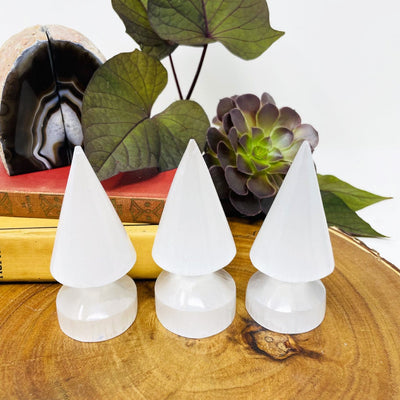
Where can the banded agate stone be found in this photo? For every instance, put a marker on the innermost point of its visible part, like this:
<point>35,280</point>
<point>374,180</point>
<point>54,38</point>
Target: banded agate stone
<point>43,75</point>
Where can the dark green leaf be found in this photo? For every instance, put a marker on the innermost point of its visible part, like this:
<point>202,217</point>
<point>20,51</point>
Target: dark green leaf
<point>118,131</point>
<point>242,26</point>
<point>354,198</point>
<point>134,16</point>
<point>181,121</point>
<point>340,215</point>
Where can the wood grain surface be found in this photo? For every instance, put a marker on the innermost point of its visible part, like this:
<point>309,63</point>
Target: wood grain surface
<point>354,354</point>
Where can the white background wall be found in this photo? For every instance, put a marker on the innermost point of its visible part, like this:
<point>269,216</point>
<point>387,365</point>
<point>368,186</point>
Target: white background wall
<point>338,65</point>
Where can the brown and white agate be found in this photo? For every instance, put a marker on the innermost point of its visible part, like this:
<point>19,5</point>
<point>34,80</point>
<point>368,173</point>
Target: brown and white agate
<point>44,71</point>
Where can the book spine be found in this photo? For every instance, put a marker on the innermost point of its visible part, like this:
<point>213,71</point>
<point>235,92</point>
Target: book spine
<point>38,205</point>
<point>25,253</point>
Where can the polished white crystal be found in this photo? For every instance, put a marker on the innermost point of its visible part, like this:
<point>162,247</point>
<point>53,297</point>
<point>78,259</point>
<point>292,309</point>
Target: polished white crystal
<point>193,236</point>
<point>292,251</point>
<point>195,306</point>
<point>92,254</point>
<point>98,313</point>
<point>293,244</point>
<point>194,241</point>
<point>285,307</point>
<point>91,247</point>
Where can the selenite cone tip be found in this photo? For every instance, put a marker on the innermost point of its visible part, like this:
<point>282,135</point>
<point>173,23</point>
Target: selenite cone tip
<point>293,244</point>
<point>91,247</point>
<point>193,236</point>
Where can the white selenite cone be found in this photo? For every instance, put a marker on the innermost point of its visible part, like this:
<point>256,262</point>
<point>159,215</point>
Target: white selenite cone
<point>192,243</point>
<point>294,251</point>
<point>91,255</point>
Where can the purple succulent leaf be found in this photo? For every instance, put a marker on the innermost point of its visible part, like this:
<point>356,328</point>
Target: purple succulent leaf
<point>233,138</point>
<point>227,122</point>
<point>282,137</point>
<point>307,132</point>
<point>243,165</point>
<point>261,186</point>
<point>278,179</point>
<point>238,120</point>
<point>236,180</point>
<point>218,176</point>
<point>275,155</point>
<point>256,133</point>
<point>244,141</point>
<point>224,106</point>
<point>279,168</point>
<point>210,159</point>
<point>267,116</point>
<point>265,142</point>
<point>249,104</point>
<point>214,136</point>
<point>216,121</point>
<point>291,152</point>
<point>247,205</point>
<point>225,155</point>
<point>261,166</point>
<point>267,98</point>
<point>266,204</point>
<point>288,118</point>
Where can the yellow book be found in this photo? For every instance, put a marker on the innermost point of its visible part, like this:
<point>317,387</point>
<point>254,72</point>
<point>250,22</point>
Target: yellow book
<point>26,246</point>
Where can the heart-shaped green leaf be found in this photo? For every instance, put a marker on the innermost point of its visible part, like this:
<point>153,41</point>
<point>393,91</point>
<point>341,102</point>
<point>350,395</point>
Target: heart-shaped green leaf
<point>354,198</point>
<point>340,215</point>
<point>119,133</point>
<point>173,124</point>
<point>242,26</point>
<point>134,16</point>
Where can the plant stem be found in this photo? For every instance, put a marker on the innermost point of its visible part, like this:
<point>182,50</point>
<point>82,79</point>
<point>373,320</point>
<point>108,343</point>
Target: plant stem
<point>203,54</point>
<point>176,78</point>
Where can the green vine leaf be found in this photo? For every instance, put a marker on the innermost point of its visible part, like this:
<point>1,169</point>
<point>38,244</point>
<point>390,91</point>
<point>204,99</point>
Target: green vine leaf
<point>119,132</point>
<point>354,198</point>
<point>242,26</point>
<point>173,124</point>
<point>343,217</point>
<point>133,14</point>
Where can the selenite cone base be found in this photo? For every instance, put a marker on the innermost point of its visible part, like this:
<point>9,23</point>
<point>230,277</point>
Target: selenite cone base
<point>285,307</point>
<point>195,306</point>
<point>97,314</point>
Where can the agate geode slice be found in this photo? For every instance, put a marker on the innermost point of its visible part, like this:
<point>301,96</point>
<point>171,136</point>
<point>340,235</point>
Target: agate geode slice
<point>44,72</point>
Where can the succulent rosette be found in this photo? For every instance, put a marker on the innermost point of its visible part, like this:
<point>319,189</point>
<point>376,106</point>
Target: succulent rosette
<point>253,147</point>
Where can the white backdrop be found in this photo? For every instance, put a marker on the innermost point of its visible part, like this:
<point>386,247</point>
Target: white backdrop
<point>338,65</point>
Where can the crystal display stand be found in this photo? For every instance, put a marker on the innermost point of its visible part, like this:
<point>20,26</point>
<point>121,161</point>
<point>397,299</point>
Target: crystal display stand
<point>285,307</point>
<point>97,314</point>
<point>200,306</point>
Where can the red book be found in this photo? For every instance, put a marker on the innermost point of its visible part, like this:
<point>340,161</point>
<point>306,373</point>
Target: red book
<point>40,194</point>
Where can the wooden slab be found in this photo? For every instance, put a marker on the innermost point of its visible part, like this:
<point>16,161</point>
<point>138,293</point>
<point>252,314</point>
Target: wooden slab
<point>354,354</point>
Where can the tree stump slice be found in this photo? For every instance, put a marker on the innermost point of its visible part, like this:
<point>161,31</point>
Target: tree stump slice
<point>353,354</point>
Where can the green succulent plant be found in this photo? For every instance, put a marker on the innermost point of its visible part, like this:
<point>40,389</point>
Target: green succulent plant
<point>252,149</point>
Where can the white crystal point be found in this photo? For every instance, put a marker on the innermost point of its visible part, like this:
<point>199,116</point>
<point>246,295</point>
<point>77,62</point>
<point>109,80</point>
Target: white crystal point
<point>91,247</point>
<point>193,236</point>
<point>195,306</point>
<point>98,313</point>
<point>293,244</point>
<point>285,307</point>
